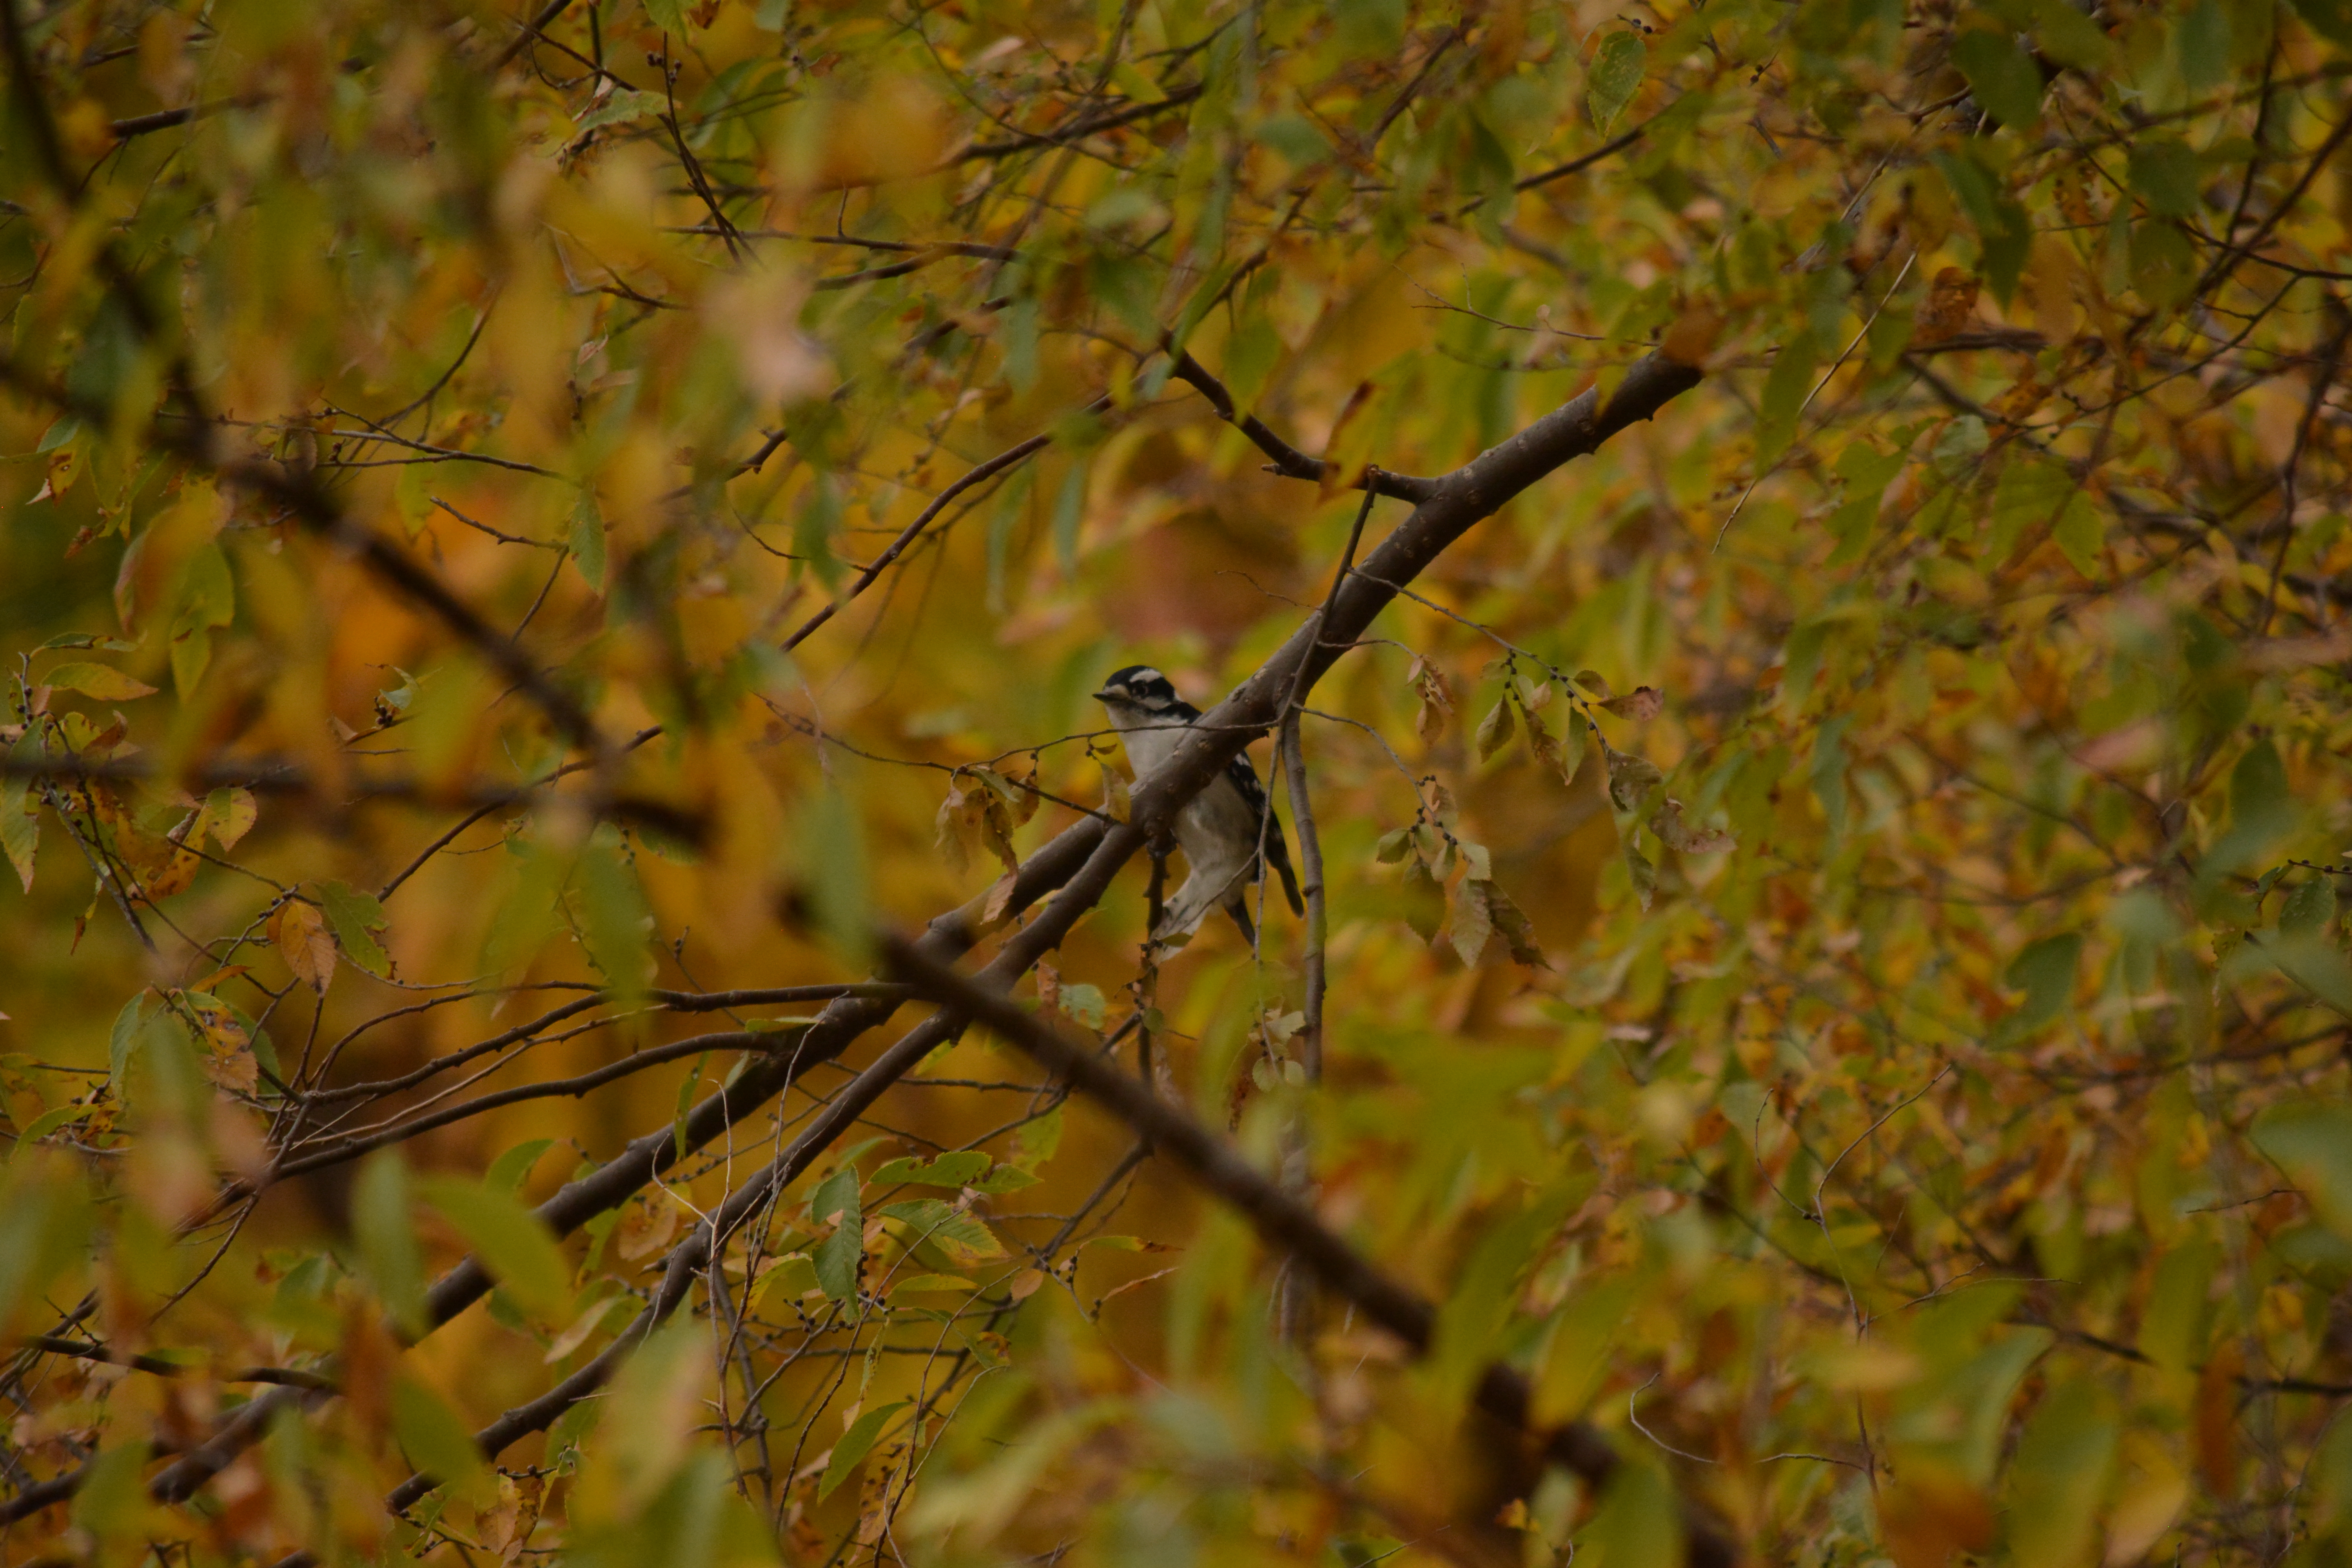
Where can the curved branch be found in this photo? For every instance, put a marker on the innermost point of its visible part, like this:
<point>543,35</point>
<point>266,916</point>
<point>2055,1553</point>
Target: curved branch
<point>1288,460</point>
<point>1280,1218</point>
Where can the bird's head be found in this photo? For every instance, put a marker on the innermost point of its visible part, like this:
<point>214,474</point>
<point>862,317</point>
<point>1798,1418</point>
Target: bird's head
<point>1138,689</point>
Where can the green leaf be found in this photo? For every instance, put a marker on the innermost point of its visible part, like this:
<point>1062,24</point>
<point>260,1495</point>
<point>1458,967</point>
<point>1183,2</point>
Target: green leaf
<point>512,1242</point>
<point>2079,535</point>
<point>1086,1003</point>
<point>2200,41</point>
<point>961,1240</point>
<point>44,1221</point>
<point>837,1257</point>
<point>1069,512</point>
<point>669,16</point>
<point>386,1238</point>
<point>111,1503</point>
<point>2311,907</point>
<point>588,524</point>
<point>511,1170</point>
<point>207,599</point>
<point>2259,800</point>
<point>20,828</point>
<point>2163,263</point>
<point>618,106</point>
<point>154,1042</point>
<point>958,1169</point>
<point>1614,78</point>
<point>815,525</point>
<point>2031,493</point>
<point>854,1444</point>
<point>1036,1140</point>
<point>2332,20</point>
<point>437,1442</point>
<point>2163,173</point>
<point>834,855</point>
<point>1582,1346</point>
<point>2003,76</point>
<point>2003,230</point>
<point>614,920</point>
<point>2311,1141</point>
<point>1786,387</point>
<point>1484,1288</point>
<point>1424,901</point>
<point>1495,730</point>
<point>47,1122</point>
<point>2176,1320</point>
<point>2059,1476</point>
<point>2045,971</point>
<point>101,682</point>
<point>1370,27</point>
<point>792,1274</point>
<point>682,1112</point>
<point>1295,137</point>
<point>1640,1520</point>
<point>355,918</point>
<point>2070,38</point>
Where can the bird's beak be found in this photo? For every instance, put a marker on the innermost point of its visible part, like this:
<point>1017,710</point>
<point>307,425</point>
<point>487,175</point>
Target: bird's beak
<point>1106,695</point>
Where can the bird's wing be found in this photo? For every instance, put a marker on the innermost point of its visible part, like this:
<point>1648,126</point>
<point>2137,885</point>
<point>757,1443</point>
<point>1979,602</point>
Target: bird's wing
<point>1278,850</point>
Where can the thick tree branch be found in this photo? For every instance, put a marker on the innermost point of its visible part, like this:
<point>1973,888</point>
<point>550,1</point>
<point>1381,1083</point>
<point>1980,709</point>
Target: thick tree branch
<point>319,513</point>
<point>270,775</point>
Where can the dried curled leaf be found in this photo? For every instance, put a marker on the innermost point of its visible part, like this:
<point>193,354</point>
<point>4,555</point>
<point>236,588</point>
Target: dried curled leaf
<point>1473,923</point>
<point>1630,778</point>
<point>1436,697</point>
<point>227,1057</point>
<point>1511,923</point>
<point>1645,874</point>
<point>1951,301</point>
<point>1563,752</point>
<point>981,808</point>
<point>1644,702</point>
<point>178,873</point>
<point>1000,897</point>
<point>953,830</point>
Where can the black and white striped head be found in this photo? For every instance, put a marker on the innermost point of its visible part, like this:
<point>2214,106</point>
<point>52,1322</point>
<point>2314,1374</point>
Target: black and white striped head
<point>1143,691</point>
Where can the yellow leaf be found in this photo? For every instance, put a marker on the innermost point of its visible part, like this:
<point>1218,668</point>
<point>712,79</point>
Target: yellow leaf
<point>102,682</point>
<point>299,933</point>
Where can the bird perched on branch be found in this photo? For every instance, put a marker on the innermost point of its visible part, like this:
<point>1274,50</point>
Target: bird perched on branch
<point>1222,829</point>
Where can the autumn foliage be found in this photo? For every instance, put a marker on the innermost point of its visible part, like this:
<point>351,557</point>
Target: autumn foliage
<point>1785,565</point>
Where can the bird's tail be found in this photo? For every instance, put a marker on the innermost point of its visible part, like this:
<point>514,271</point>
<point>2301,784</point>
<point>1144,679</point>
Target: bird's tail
<point>1290,888</point>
